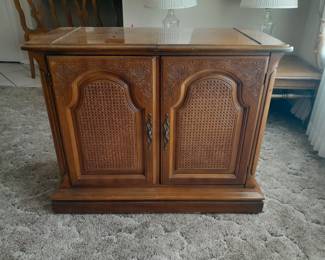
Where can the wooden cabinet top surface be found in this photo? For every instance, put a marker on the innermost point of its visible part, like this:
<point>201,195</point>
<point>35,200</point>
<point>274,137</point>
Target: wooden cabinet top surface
<point>154,40</point>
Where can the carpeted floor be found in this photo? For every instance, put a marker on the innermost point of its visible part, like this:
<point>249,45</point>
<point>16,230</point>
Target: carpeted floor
<point>292,225</point>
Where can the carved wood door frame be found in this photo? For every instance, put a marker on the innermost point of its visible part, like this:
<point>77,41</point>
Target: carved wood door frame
<point>105,147</point>
<point>202,142</point>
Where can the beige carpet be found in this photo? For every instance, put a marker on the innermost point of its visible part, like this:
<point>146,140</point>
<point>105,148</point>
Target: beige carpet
<point>292,225</point>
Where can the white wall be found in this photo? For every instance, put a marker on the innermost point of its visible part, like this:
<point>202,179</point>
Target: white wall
<point>11,33</point>
<point>298,27</point>
<point>289,24</point>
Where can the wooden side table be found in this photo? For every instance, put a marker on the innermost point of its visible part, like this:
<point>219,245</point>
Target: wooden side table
<point>295,74</point>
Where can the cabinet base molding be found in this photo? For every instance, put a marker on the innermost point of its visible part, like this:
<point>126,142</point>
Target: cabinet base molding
<point>176,199</point>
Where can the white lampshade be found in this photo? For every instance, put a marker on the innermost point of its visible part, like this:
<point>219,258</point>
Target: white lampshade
<point>170,4</point>
<point>272,4</point>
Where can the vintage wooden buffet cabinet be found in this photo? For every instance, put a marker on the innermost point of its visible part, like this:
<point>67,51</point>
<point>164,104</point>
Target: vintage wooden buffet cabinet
<point>151,120</point>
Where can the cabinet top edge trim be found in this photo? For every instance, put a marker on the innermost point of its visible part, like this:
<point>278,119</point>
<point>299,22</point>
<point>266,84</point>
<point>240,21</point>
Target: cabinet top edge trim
<point>154,40</point>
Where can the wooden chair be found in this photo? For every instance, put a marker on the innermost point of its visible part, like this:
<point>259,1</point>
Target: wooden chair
<point>70,9</point>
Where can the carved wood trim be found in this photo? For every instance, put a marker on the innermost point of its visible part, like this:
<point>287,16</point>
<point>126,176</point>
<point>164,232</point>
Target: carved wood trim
<point>137,70</point>
<point>217,74</point>
<point>89,76</point>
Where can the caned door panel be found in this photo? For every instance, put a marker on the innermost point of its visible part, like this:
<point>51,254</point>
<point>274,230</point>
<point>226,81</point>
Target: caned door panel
<point>107,111</point>
<point>208,116</point>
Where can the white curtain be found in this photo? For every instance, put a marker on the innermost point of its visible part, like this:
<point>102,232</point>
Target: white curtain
<point>316,127</point>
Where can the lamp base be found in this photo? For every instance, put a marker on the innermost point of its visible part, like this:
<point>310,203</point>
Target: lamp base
<point>267,26</point>
<point>171,21</point>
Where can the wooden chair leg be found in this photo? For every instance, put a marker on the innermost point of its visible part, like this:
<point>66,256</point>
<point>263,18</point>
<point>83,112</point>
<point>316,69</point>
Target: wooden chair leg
<point>32,65</point>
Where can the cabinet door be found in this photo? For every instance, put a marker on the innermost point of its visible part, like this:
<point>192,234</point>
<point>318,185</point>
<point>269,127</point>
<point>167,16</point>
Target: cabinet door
<point>107,112</point>
<point>209,112</point>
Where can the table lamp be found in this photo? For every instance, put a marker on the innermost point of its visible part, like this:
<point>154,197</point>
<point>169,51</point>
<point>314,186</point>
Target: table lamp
<point>170,21</point>
<point>267,27</point>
